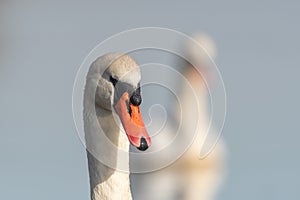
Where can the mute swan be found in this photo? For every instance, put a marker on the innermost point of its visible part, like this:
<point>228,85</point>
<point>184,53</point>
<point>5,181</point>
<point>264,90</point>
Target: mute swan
<point>203,177</point>
<point>112,83</point>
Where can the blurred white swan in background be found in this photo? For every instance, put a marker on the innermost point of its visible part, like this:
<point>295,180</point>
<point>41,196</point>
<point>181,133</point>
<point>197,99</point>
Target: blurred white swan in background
<point>202,178</point>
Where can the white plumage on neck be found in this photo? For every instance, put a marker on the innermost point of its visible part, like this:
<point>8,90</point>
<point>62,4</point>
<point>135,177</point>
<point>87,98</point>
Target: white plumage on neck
<point>106,182</point>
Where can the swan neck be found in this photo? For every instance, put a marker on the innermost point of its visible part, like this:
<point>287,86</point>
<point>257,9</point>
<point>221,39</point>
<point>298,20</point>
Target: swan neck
<point>106,182</point>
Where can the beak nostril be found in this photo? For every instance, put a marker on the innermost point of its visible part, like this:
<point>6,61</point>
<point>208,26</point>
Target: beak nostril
<point>143,144</point>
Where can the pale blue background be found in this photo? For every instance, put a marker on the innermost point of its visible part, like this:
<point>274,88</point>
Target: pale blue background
<point>42,44</point>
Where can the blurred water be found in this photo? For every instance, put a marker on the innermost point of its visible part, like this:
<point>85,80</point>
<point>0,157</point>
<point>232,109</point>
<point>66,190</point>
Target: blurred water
<point>43,44</point>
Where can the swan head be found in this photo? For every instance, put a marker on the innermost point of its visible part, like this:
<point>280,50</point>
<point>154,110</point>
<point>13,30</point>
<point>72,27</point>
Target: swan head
<point>118,89</point>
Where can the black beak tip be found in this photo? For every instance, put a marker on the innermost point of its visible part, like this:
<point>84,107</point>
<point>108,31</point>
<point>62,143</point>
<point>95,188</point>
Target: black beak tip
<point>143,145</point>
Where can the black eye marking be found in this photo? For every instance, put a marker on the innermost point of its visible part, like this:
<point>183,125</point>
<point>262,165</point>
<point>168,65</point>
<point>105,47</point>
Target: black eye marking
<point>113,80</point>
<point>128,108</point>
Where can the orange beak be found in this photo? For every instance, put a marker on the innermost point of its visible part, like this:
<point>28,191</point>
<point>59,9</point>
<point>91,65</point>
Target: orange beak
<point>132,122</point>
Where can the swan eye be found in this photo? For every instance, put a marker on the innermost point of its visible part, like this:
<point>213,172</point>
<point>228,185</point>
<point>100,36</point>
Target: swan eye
<point>113,80</point>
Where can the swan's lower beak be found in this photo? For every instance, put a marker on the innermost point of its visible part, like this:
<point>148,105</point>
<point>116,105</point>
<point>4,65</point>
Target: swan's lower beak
<point>132,122</point>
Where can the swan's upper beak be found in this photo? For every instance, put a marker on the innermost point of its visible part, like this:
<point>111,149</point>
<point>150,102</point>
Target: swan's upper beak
<point>132,122</point>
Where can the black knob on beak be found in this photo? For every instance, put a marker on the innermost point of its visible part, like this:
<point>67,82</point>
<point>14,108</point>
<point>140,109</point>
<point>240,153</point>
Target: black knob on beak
<point>143,144</point>
<point>136,98</point>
